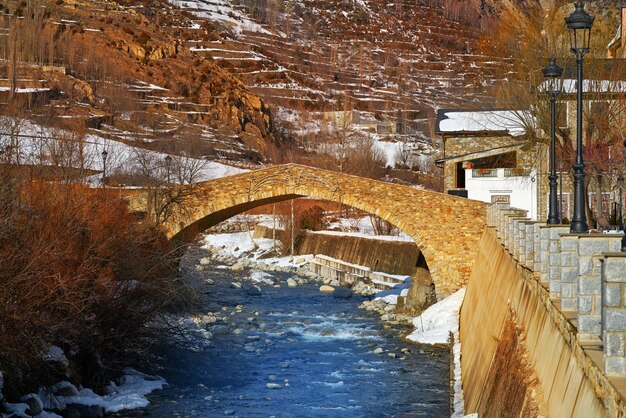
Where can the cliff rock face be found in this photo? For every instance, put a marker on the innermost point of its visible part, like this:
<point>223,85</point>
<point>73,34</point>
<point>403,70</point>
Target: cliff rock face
<point>123,60</point>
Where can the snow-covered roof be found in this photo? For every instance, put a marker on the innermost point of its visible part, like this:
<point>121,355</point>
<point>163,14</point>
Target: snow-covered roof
<point>595,86</point>
<point>511,121</point>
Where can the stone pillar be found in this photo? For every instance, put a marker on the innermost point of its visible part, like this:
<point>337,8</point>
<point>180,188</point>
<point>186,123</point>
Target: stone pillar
<point>568,271</point>
<point>516,239</point>
<point>554,259</point>
<point>590,249</point>
<point>538,249</point>
<point>520,242</point>
<point>614,313</point>
<point>529,247</point>
<point>542,264</point>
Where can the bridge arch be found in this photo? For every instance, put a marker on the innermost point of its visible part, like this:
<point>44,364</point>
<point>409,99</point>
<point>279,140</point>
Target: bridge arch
<point>445,228</point>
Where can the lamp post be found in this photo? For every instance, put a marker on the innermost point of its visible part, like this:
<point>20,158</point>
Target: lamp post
<point>104,154</point>
<point>579,26</point>
<point>620,187</point>
<point>620,180</point>
<point>168,164</point>
<point>552,72</point>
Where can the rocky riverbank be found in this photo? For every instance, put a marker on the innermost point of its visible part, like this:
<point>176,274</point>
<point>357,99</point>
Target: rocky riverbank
<point>241,254</point>
<point>275,336</point>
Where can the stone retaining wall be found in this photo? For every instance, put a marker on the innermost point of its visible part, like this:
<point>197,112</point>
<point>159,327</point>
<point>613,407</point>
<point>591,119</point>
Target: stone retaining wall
<point>568,292</point>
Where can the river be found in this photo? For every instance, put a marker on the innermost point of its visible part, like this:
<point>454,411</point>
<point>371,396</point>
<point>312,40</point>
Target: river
<point>297,352</point>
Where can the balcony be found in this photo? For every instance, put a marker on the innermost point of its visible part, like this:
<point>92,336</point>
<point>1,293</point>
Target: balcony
<point>517,186</point>
<point>498,172</point>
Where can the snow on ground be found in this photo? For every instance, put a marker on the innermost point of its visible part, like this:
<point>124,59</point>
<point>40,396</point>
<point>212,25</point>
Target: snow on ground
<point>222,11</point>
<point>258,276</point>
<point>129,393</point>
<point>237,245</point>
<point>37,144</point>
<point>364,227</point>
<point>404,238</point>
<point>390,296</point>
<point>434,326</point>
<point>436,323</point>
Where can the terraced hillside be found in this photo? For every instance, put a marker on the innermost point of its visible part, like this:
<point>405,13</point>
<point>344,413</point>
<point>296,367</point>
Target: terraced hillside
<point>391,59</point>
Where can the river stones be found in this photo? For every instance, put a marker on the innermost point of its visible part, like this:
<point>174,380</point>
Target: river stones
<point>83,411</point>
<point>253,290</point>
<point>273,386</point>
<point>35,406</point>
<point>237,267</point>
<point>209,281</point>
<point>378,351</point>
<point>326,288</point>
<point>205,261</point>
<point>291,282</point>
<point>342,293</point>
<point>235,285</point>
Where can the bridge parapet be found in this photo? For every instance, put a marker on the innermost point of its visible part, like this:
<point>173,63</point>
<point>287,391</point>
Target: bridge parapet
<point>585,278</point>
<point>446,229</point>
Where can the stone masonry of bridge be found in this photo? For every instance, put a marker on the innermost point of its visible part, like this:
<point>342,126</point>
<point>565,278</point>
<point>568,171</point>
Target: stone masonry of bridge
<point>446,228</point>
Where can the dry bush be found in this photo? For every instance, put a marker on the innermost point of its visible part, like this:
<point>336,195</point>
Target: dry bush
<point>77,270</point>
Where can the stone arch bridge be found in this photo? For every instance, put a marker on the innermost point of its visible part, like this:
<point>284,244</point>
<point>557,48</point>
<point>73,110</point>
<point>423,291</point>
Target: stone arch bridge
<point>445,228</point>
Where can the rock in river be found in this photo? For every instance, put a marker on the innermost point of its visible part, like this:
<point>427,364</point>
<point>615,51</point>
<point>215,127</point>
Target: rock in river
<point>254,290</point>
<point>326,288</point>
<point>342,293</point>
<point>235,285</point>
<point>291,282</point>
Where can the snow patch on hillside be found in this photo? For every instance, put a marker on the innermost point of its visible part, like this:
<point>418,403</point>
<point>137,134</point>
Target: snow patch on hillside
<point>221,11</point>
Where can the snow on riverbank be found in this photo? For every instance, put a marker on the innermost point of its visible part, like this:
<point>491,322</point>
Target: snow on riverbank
<point>128,393</point>
<point>240,247</point>
<point>434,326</point>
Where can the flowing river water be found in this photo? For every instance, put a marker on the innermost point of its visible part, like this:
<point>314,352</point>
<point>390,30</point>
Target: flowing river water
<point>297,352</point>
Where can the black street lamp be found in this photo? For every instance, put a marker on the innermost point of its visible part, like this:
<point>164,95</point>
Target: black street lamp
<point>579,24</point>
<point>620,182</point>
<point>104,154</point>
<point>552,72</point>
<point>620,187</point>
<point>168,164</point>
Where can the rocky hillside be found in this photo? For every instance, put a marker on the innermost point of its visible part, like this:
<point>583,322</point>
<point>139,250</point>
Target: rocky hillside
<point>113,68</point>
<point>229,78</point>
<point>397,60</point>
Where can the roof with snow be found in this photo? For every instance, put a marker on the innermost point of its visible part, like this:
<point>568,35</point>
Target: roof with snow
<point>509,122</point>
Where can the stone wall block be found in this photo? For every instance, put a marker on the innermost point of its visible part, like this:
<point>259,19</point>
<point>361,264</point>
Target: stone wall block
<point>615,319</point>
<point>589,325</point>
<point>615,366</point>
<point>585,305</point>
<point>614,270</point>
<point>569,243</point>
<point>593,246</point>
<point>584,266</point>
<point>614,345</point>
<point>612,294</point>
<point>590,285</point>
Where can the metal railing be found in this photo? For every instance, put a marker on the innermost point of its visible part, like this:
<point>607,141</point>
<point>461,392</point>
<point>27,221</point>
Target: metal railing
<point>516,172</point>
<point>485,172</point>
